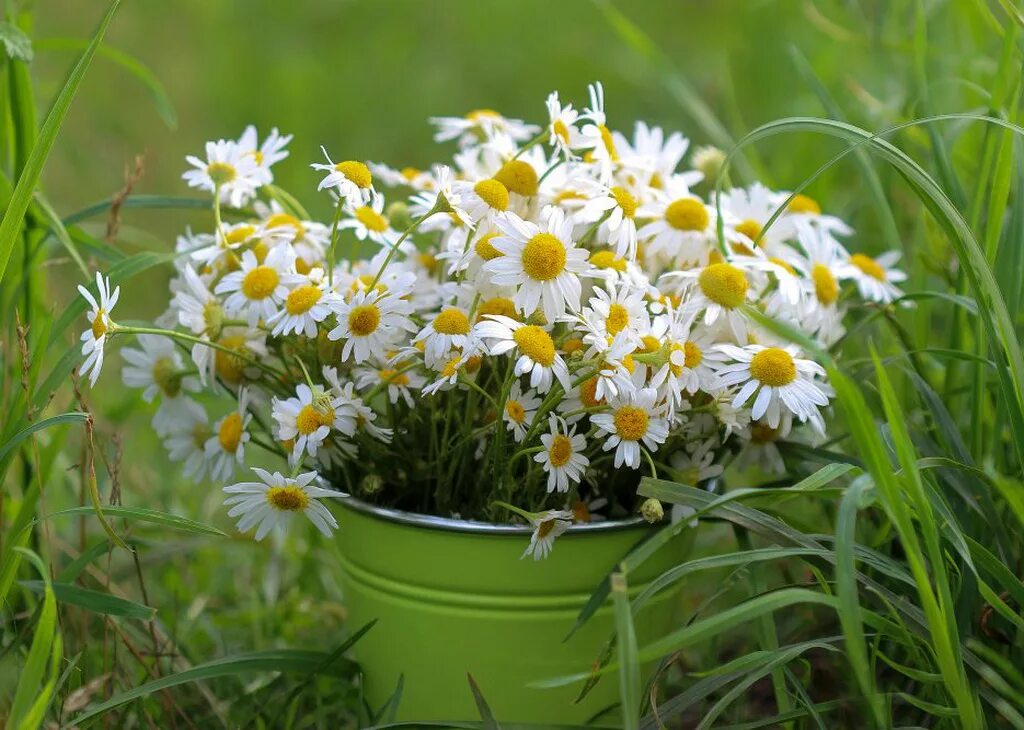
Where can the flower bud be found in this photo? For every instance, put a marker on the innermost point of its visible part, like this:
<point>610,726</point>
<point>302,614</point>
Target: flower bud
<point>371,484</point>
<point>398,214</point>
<point>652,511</point>
<point>709,160</point>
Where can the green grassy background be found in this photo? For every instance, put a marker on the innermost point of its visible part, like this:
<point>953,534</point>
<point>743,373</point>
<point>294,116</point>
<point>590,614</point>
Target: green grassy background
<point>362,77</point>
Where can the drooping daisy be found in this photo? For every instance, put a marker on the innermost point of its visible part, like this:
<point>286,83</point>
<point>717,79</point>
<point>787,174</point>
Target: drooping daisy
<point>562,127</point>
<point>448,329</point>
<point>546,527</point>
<point>369,322</point>
<point>368,222</point>
<point>562,457</point>
<point>634,418</point>
<point>351,179</point>
<point>695,462</point>
<point>875,278</point>
<point>310,417</point>
<point>272,501</point>
<point>227,168</point>
<point>542,262</point>
<point>94,339</point>
<point>536,349</point>
<point>520,408</point>
<point>257,290</point>
<point>308,303</point>
<point>226,446</point>
<point>458,363</point>
<point>780,380</point>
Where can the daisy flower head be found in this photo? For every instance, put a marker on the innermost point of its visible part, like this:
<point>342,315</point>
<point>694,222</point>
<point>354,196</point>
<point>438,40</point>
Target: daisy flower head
<point>397,377</point>
<point>562,458</point>
<point>653,158</point>
<point>447,330</point>
<point>682,229</point>
<point>546,527</point>
<point>564,135</point>
<point>634,418</point>
<point>542,262</point>
<point>185,440</point>
<point>258,289</point>
<point>719,290</point>
<point>369,322</point>
<point>781,381</point>
<point>596,137</point>
<point>480,125</point>
<point>875,278</point>
<point>482,201</point>
<point>272,501</point>
<point>308,303</point>
<point>751,208</point>
<point>520,408</point>
<point>536,350</point>
<point>267,154</point>
<point>692,357</point>
<point>803,208</point>
<point>228,170</point>
<point>350,179</point>
<point>466,363</point>
<point>367,221</point>
<point>616,308</point>
<point>307,419</point>
<point>617,208</point>
<point>156,367</point>
<point>94,339</point>
<point>226,445</point>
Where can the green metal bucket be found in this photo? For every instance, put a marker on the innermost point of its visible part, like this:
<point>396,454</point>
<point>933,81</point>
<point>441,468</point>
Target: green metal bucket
<point>452,597</point>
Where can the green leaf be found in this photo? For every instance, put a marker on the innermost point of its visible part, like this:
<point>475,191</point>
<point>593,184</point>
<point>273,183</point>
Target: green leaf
<point>629,667</point>
<point>489,721</point>
<point>17,45</point>
<point>23,191</point>
<point>32,683</point>
<point>95,601</point>
<point>144,514</point>
<point>72,417</point>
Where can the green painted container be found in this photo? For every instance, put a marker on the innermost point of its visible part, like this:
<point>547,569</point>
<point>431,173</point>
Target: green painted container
<point>452,597</point>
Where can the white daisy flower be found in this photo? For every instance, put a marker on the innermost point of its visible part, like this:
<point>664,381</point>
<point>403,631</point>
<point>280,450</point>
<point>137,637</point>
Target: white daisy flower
<point>368,222</point>
<point>479,125</point>
<point>546,527</point>
<point>751,208</point>
<point>400,381</point>
<point>536,350</point>
<point>564,135</point>
<point>94,339</point>
<point>273,500</point>
<point>520,408</point>
<point>875,278</point>
<point>157,368</point>
<point>780,380</point>
<point>720,290</point>
<point>267,154</point>
<point>448,329</point>
<point>543,263</point>
<point>185,440</point>
<point>227,168</point>
<point>351,179</point>
<point>370,322</point>
<point>696,462</point>
<point>221,251</point>
<point>683,229</point>
<point>562,457</point>
<point>693,359</point>
<point>617,308</point>
<point>619,228</point>
<point>310,417</point>
<point>226,446</point>
<point>803,208</point>
<point>257,290</point>
<point>656,156</point>
<point>596,137</point>
<point>483,201</point>
<point>635,417</point>
<point>308,303</point>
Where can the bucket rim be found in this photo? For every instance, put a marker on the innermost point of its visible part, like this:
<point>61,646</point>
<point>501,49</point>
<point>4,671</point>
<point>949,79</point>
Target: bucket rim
<point>455,524</point>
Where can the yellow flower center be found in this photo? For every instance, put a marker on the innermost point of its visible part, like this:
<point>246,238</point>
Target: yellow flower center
<point>560,450</point>
<point>608,142</point>
<point>687,214</point>
<point>231,367</point>
<point>409,173</point>
<point>868,265</point>
<point>428,261</point>
<point>724,284</point>
<point>310,418</point>
<point>631,423</point>
<point>562,131</point>
<point>493,192</point>
<point>804,204</point>
<point>625,200</point>
<point>544,529</point>
<point>363,320</point>
<point>607,260</point>
<point>280,220</point>
<point>618,318</point>
<point>692,357</point>
<point>260,282</point>
<point>498,305</point>
<point>480,114</point>
<point>301,299</point>
<point>573,345</point>
<point>749,228</point>
<point>167,377</point>
<point>773,366</point>
<point>519,177</point>
<point>99,324</point>
<point>221,172</point>
<point>543,257</point>
<point>287,499</point>
<point>783,264</point>
<point>826,288</point>
<point>451,322</point>
<point>393,377</point>
<point>588,393</point>
<point>239,234</point>
<point>567,195</point>
<point>356,172</point>
<point>536,344</point>
<point>515,411</point>
<point>650,344</point>
<point>230,433</point>
<point>370,218</point>
<point>485,249</point>
<point>200,433</point>
<point>762,433</point>
<point>260,250</point>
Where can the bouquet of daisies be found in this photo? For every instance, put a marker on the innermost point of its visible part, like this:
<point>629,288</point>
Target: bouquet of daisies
<point>520,335</point>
